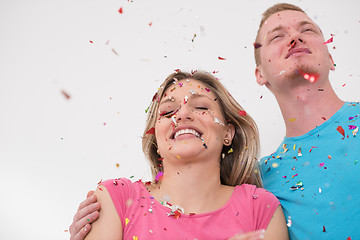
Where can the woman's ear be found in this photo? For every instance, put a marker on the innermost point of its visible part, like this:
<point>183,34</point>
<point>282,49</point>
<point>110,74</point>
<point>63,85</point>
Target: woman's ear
<point>230,132</point>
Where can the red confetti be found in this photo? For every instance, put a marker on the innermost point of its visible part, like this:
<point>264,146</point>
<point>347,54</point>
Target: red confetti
<point>330,40</point>
<point>341,130</point>
<point>257,45</point>
<point>91,41</point>
<point>221,58</point>
<point>121,10</point>
<point>349,238</point>
<point>311,77</point>
<point>150,24</point>
<point>151,131</point>
<point>324,229</point>
<point>66,95</point>
<point>242,113</point>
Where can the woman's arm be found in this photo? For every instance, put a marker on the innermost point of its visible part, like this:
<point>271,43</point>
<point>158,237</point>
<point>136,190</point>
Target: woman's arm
<point>277,228</point>
<point>108,226</point>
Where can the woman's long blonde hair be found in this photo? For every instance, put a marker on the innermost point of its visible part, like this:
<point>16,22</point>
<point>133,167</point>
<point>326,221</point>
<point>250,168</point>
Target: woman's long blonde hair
<point>238,167</point>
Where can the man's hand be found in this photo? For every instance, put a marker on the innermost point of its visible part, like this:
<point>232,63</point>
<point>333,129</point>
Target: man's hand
<point>88,212</point>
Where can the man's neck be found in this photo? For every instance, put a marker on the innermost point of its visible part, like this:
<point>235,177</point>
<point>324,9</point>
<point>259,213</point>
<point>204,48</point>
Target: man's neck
<point>307,107</point>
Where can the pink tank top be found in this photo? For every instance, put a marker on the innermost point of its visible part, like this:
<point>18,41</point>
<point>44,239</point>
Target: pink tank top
<point>248,209</point>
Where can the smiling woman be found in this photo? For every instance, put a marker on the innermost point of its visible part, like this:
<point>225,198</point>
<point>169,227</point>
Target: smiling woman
<point>203,149</point>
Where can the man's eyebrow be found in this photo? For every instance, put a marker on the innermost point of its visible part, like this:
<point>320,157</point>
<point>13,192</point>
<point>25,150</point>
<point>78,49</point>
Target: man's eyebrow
<point>302,23</point>
<point>280,27</point>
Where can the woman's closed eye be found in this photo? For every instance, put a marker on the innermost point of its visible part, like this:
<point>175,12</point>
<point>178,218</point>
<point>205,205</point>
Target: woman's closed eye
<point>167,114</point>
<point>202,108</point>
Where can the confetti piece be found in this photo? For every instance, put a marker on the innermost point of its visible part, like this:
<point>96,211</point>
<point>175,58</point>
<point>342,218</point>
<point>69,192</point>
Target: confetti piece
<point>242,113</point>
<point>356,161</point>
<point>285,149</point>
<point>65,94</point>
<point>289,222</point>
<point>114,51</point>
<point>150,24</point>
<point>294,175</point>
<point>341,130</point>
<point>257,45</point>
<point>91,41</point>
<point>255,196</point>
<point>349,238</point>
<point>231,150</point>
<point>135,238</point>
<point>321,164</point>
<point>320,190</point>
<point>193,37</point>
<point>151,131</point>
<point>117,165</point>
<point>356,130</point>
<point>311,77</point>
<point>221,58</point>
<point>275,165</point>
<point>121,10</point>
<point>324,230</point>
<point>284,177</point>
<point>292,119</point>
<point>208,90</point>
<point>330,40</point>
<point>178,156</point>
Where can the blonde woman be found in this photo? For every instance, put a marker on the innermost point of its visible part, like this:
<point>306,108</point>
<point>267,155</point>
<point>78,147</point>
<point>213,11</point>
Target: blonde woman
<point>202,148</point>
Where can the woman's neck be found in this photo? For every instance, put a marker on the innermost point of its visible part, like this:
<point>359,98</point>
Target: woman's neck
<point>196,187</point>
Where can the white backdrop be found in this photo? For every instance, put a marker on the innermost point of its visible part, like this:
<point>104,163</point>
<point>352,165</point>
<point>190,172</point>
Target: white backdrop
<point>53,149</point>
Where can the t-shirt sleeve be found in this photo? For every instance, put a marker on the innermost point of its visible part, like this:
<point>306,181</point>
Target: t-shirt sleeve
<point>120,192</point>
<point>264,206</point>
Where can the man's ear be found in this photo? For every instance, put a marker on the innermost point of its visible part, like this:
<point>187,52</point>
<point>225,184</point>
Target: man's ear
<point>259,76</point>
<point>332,64</point>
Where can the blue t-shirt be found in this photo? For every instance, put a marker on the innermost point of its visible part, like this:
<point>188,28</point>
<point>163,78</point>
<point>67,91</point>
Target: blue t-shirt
<point>316,177</point>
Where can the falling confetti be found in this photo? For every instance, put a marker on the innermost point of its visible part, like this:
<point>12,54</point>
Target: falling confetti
<point>114,51</point>
<point>356,130</point>
<point>121,10</point>
<point>159,176</point>
<point>151,131</point>
<point>324,229</point>
<point>330,40</point>
<point>242,113</point>
<point>65,94</point>
<point>221,58</point>
<point>193,37</point>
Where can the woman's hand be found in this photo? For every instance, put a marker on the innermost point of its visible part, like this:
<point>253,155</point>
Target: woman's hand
<point>87,213</point>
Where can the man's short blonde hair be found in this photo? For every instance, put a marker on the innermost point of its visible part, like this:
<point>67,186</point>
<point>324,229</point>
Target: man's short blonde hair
<point>270,11</point>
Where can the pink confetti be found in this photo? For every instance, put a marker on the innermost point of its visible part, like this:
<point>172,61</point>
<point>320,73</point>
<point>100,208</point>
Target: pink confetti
<point>330,40</point>
<point>208,90</point>
<point>351,127</point>
<point>242,113</point>
<point>321,164</point>
<point>294,175</point>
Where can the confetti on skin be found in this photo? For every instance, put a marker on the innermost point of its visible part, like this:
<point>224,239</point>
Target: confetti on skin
<point>178,156</point>
<point>185,99</point>
<point>159,176</point>
<point>151,131</point>
<point>65,94</point>
<point>121,10</point>
<point>242,113</point>
<point>208,90</point>
<point>341,130</point>
<point>311,77</point>
<point>292,119</point>
<point>192,91</point>
<point>221,58</point>
<point>218,121</point>
<point>257,45</point>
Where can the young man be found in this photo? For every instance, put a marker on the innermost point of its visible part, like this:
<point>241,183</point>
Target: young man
<point>314,172</point>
